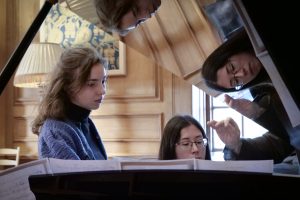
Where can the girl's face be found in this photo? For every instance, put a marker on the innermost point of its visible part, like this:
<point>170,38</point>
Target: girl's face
<point>191,144</point>
<point>92,93</point>
<point>240,69</point>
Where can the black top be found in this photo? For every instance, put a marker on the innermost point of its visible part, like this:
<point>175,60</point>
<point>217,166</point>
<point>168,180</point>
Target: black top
<point>81,117</point>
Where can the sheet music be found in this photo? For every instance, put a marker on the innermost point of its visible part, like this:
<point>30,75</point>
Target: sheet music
<point>63,166</point>
<point>187,164</point>
<point>14,182</point>
<point>259,166</point>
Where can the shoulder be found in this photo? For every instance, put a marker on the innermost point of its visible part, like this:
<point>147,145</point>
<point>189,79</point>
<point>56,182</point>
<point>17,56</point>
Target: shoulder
<point>58,123</point>
<point>58,126</point>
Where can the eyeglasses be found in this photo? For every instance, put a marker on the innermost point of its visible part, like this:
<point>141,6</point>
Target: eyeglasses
<point>188,145</point>
<point>135,11</point>
<point>125,31</point>
<point>235,82</point>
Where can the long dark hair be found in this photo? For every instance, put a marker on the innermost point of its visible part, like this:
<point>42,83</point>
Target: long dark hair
<point>237,42</point>
<point>171,136</point>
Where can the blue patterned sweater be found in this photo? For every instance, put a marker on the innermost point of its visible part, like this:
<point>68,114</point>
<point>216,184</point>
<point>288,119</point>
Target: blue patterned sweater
<point>71,139</point>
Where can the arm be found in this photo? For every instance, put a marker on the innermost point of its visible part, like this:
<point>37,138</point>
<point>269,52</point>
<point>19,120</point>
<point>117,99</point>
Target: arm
<point>267,146</point>
<point>52,145</point>
<point>58,140</point>
<point>262,111</point>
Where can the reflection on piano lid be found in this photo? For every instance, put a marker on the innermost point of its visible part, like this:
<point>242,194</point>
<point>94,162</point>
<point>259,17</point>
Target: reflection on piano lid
<point>273,46</point>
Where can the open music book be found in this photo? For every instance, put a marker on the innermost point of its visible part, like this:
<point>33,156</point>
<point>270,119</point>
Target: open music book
<point>258,166</point>
<point>14,181</point>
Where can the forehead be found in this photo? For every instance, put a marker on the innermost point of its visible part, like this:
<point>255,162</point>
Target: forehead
<point>97,71</point>
<point>190,131</point>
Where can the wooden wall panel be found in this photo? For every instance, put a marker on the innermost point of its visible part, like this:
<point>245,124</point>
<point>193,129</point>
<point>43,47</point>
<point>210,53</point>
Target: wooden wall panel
<point>12,31</point>
<point>3,58</point>
<point>129,127</point>
<point>22,130</point>
<point>145,148</point>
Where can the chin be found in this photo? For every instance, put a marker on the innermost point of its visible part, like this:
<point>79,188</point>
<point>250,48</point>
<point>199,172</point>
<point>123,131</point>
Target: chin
<point>94,107</point>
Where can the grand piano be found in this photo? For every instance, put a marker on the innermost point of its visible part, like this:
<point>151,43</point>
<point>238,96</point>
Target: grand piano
<point>272,40</point>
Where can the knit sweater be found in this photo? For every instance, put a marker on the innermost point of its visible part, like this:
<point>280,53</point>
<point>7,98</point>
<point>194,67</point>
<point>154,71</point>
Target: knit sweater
<point>69,139</point>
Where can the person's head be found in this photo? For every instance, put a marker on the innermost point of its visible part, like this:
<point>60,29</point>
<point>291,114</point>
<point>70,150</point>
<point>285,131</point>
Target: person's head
<point>233,65</point>
<point>183,137</point>
<point>122,16</point>
<point>79,78</point>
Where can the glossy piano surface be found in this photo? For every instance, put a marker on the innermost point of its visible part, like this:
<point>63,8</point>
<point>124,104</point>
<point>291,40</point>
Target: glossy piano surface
<point>160,184</point>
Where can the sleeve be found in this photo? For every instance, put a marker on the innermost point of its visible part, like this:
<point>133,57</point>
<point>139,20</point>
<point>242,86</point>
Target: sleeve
<point>58,143</point>
<point>265,147</point>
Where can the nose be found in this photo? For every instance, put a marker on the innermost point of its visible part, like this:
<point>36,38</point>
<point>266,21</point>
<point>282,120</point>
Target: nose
<point>101,89</point>
<point>239,73</point>
<point>194,148</point>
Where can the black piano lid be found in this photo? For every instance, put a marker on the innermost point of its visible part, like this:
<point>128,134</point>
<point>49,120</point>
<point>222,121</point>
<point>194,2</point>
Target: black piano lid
<point>153,184</point>
<point>274,24</point>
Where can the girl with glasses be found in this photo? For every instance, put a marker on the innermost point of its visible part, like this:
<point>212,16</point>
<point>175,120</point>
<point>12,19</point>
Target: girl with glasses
<point>183,137</point>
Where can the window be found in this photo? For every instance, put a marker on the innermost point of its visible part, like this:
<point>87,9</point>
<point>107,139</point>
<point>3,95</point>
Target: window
<point>206,108</point>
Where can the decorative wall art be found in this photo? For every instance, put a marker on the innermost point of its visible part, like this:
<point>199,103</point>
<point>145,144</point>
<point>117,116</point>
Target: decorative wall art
<point>64,27</point>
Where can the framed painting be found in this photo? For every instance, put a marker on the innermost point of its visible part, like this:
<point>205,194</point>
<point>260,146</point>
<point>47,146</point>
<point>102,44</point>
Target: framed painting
<point>115,53</point>
<point>66,28</point>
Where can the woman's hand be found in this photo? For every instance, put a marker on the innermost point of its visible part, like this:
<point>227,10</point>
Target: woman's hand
<point>229,133</point>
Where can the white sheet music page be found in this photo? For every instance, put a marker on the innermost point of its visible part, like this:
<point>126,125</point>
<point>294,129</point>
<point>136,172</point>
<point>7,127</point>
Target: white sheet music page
<point>259,166</point>
<point>185,164</point>
<point>64,166</point>
<point>14,181</point>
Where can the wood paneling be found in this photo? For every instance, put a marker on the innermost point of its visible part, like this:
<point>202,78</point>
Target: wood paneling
<point>146,148</point>
<point>178,38</point>
<point>3,58</point>
<point>22,130</point>
<point>129,127</point>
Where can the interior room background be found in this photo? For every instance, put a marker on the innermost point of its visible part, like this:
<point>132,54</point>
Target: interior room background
<point>137,105</point>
